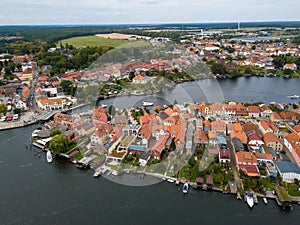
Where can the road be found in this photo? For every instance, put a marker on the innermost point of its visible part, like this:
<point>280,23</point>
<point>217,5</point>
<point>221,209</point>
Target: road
<point>233,163</point>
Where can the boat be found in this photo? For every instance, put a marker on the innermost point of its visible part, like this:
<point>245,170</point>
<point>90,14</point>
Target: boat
<point>170,180</point>
<point>265,200</point>
<point>147,103</point>
<point>49,157</point>
<point>74,161</point>
<point>103,105</point>
<point>294,96</point>
<point>185,188</point>
<point>97,174</point>
<point>249,199</point>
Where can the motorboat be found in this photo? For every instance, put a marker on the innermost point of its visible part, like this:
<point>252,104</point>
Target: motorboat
<point>185,188</point>
<point>97,174</point>
<point>170,180</point>
<point>250,199</point>
<point>265,200</point>
<point>147,103</point>
<point>49,157</point>
<point>294,96</point>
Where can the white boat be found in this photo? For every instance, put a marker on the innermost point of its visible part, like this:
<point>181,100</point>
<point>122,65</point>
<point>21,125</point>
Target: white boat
<point>185,188</point>
<point>49,157</point>
<point>294,96</point>
<point>103,105</point>
<point>170,180</point>
<point>249,199</point>
<point>147,103</point>
<point>265,200</point>
<point>97,174</point>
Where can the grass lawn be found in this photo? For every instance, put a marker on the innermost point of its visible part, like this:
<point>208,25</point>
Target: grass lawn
<point>293,190</point>
<point>92,41</point>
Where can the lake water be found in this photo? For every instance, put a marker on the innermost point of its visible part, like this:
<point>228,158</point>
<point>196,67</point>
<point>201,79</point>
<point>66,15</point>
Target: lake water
<point>244,89</point>
<point>33,192</point>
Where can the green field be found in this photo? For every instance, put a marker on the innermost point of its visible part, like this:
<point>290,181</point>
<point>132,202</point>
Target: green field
<point>92,41</point>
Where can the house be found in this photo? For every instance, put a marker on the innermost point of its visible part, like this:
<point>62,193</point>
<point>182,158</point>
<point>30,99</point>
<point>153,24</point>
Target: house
<point>159,146</point>
<point>224,157</point>
<point>292,142</point>
<point>265,111</point>
<point>119,120</point>
<point>288,116</point>
<point>290,66</point>
<point>241,110</point>
<point>145,157</point>
<point>145,134</point>
<point>131,129</point>
<point>288,171</point>
<point>200,138</point>
<point>253,111</point>
<point>217,110</point>
<point>64,119</point>
<point>297,129</point>
<point>219,127</point>
<point>271,140</point>
<point>250,128</point>
<point>255,141</point>
<point>85,129</point>
<point>46,103</point>
<point>136,149</point>
<point>266,126</point>
<point>239,133</point>
<point>247,161</point>
<point>212,138</point>
<point>99,115</point>
<point>275,117</point>
<point>101,135</point>
<point>263,158</point>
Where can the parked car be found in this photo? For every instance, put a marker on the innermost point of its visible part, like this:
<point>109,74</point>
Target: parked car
<point>9,118</point>
<point>3,118</point>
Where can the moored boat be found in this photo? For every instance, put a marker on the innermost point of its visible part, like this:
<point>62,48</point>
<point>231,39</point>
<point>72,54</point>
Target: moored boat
<point>265,200</point>
<point>49,157</point>
<point>170,180</point>
<point>185,188</point>
<point>250,199</point>
<point>97,174</point>
<point>147,103</point>
<point>294,96</point>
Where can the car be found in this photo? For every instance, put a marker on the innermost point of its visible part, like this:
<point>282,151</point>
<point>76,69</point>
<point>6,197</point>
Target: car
<point>9,118</point>
<point>3,118</point>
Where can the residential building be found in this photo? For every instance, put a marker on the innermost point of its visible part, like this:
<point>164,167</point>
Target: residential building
<point>271,140</point>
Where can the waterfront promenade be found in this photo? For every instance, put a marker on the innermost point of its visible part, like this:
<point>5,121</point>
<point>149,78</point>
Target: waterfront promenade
<point>30,118</point>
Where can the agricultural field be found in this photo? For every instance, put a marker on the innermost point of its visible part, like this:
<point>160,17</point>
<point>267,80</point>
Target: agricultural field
<point>92,41</point>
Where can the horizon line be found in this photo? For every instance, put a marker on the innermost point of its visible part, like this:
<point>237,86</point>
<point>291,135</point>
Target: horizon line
<point>149,23</point>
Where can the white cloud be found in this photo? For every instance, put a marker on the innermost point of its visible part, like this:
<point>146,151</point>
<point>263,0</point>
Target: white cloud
<point>144,11</point>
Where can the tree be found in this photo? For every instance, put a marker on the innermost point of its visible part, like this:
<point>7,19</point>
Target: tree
<point>218,68</point>
<point>54,133</point>
<point>67,87</point>
<point>7,72</point>
<point>3,108</point>
<point>111,110</point>
<point>191,161</point>
<point>218,178</point>
<point>59,144</point>
<point>17,111</point>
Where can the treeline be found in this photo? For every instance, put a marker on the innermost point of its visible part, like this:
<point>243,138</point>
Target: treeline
<point>64,60</point>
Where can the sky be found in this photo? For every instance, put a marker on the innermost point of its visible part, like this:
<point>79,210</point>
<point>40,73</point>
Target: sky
<point>48,12</point>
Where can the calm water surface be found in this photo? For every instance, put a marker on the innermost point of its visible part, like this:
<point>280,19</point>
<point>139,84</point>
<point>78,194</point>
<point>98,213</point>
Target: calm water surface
<point>33,192</point>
